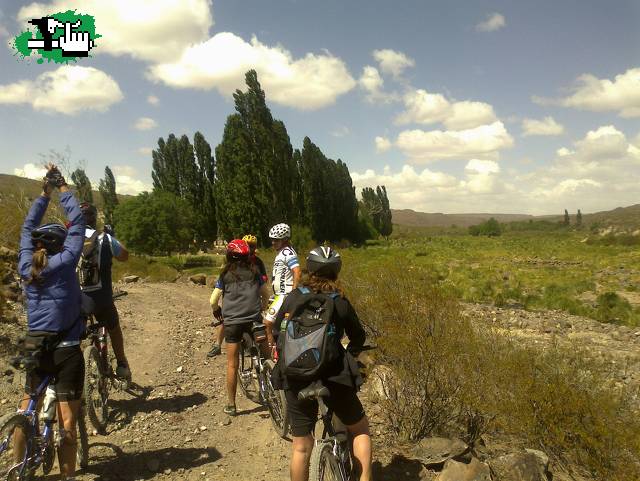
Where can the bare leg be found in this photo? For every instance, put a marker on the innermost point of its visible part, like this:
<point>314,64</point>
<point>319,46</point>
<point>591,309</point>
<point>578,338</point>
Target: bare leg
<point>232,371</point>
<point>68,411</point>
<point>362,447</point>
<point>299,468</point>
<point>117,343</point>
<point>219,334</point>
<point>19,439</point>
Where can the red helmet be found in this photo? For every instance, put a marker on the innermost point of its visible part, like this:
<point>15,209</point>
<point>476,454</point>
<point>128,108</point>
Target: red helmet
<point>237,249</point>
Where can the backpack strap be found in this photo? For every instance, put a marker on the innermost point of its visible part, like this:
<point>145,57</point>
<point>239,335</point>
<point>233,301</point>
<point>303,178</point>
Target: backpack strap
<point>304,290</point>
<point>334,295</point>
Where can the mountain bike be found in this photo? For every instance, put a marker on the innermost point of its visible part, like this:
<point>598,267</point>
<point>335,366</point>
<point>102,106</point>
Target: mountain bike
<point>36,431</point>
<point>254,378</point>
<point>331,457</point>
<point>99,375</point>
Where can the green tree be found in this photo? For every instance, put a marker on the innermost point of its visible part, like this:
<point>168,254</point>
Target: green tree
<point>567,221</point>
<point>579,218</point>
<point>188,171</point>
<point>156,223</point>
<point>386,224</point>
<point>107,190</point>
<point>83,185</point>
<point>490,228</point>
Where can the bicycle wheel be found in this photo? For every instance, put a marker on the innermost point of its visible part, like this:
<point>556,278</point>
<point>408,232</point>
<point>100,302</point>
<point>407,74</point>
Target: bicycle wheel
<point>82,454</point>
<point>324,465</point>
<point>246,374</point>
<point>95,389</point>
<point>13,426</point>
<point>276,402</point>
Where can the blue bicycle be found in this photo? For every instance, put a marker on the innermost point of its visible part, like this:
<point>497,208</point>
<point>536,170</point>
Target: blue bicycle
<point>35,432</point>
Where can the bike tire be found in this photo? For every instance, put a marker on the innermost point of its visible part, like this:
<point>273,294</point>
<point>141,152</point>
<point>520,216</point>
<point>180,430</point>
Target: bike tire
<point>324,465</point>
<point>9,469</point>
<point>95,389</point>
<point>82,454</point>
<point>246,380</point>
<point>276,402</point>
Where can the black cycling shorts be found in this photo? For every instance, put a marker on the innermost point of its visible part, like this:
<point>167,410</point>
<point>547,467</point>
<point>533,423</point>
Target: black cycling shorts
<point>107,315</point>
<point>233,333</point>
<point>66,365</point>
<point>303,415</point>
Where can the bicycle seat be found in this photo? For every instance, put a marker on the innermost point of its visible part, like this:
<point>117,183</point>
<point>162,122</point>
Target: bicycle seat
<point>315,390</point>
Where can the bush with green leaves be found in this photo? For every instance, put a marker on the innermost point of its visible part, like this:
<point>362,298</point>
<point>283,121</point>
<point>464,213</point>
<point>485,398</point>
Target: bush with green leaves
<point>155,224</point>
<point>490,228</point>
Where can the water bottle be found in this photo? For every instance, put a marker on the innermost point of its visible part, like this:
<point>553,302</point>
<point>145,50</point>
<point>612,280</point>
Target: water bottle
<point>49,404</point>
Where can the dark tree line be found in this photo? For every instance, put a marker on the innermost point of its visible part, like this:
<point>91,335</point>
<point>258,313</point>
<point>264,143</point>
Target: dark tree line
<point>257,179</point>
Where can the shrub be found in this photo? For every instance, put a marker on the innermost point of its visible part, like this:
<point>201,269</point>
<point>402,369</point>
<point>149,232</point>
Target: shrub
<point>454,377</point>
<point>490,228</point>
<point>145,267</point>
<point>301,238</point>
<point>613,308</point>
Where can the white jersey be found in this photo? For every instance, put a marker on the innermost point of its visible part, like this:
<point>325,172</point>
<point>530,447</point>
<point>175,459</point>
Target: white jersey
<point>283,266</point>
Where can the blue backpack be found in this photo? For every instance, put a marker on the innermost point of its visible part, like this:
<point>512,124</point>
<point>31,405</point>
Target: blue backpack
<point>310,344</point>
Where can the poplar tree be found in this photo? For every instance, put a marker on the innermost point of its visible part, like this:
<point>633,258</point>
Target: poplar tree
<point>579,218</point>
<point>83,185</point>
<point>386,224</point>
<point>107,190</point>
<point>566,217</point>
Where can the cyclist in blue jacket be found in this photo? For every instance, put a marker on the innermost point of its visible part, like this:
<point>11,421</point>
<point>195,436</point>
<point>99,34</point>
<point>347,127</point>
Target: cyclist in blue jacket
<point>47,263</point>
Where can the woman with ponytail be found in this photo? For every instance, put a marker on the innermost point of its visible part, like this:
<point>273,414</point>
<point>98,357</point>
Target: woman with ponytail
<point>47,263</point>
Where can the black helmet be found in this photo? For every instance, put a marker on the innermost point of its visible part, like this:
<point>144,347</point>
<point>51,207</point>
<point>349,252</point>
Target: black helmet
<point>51,236</point>
<point>90,214</point>
<point>324,261</point>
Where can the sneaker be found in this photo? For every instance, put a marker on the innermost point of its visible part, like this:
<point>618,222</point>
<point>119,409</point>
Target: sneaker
<point>123,372</point>
<point>215,350</point>
<point>230,410</point>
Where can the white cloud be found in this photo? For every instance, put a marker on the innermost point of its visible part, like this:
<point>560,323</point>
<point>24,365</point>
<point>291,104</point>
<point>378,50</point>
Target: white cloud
<point>493,22</point>
<point>31,171</point>
<point>382,144</point>
<point>145,123</point>
<point>144,29</point>
<point>371,81</point>
<point>126,182</point>
<point>427,108</point>
<point>3,31</point>
<point>421,146</point>
<point>153,100</point>
<point>311,82</point>
<point>68,90</point>
<point>546,126</point>
<point>145,151</point>
<point>622,94</point>
<point>479,166</point>
<point>392,62</point>
<point>341,131</point>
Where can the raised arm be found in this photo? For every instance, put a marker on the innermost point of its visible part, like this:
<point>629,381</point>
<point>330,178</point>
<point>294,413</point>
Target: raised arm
<point>33,220</point>
<point>72,248</point>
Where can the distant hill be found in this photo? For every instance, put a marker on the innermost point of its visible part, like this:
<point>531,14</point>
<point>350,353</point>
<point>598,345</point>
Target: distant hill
<point>412,218</point>
<point>621,217</point>
<point>12,185</point>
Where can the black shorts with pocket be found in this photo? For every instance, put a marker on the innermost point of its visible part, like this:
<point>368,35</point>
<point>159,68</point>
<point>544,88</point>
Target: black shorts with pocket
<point>66,365</point>
<point>107,315</point>
<point>233,333</point>
<point>343,401</point>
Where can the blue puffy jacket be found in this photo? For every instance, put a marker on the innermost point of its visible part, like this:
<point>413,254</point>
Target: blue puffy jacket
<point>54,305</point>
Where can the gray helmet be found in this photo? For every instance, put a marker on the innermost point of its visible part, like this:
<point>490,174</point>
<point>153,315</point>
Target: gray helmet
<point>324,261</point>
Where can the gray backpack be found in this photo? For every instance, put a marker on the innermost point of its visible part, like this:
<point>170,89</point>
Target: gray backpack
<point>310,344</point>
<point>89,265</point>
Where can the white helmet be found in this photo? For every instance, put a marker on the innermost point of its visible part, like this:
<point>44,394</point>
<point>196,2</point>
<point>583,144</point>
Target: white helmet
<point>280,231</point>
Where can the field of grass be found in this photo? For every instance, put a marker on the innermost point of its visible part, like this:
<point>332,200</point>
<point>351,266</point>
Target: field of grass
<point>534,270</point>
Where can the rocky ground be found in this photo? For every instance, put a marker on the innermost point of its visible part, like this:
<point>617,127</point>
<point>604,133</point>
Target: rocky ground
<point>172,426</point>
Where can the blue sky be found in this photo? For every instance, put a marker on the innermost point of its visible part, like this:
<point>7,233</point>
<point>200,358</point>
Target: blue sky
<point>485,106</point>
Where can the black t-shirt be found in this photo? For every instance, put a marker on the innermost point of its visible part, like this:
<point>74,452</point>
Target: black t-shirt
<point>104,295</point>
<point>347,322</point>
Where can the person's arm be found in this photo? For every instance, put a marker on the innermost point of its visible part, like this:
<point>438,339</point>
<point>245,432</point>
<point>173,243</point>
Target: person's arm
<point>33,219</point>
<point>297,276</point>
<point>72,247</point>
<point>119,251</point>
<point>352,325</point>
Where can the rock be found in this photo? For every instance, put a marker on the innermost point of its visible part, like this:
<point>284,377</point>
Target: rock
<point>521,466</point>
<point>456,471</point>
<point>8,254</point>
<point>435,451</point>
<point>153,465</point>
<point>199,279</point>
<point>130,279</point>
<point>179,369</point>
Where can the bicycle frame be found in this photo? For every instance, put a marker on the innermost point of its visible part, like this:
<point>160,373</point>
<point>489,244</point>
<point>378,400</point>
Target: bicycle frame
<point>31,413</point>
